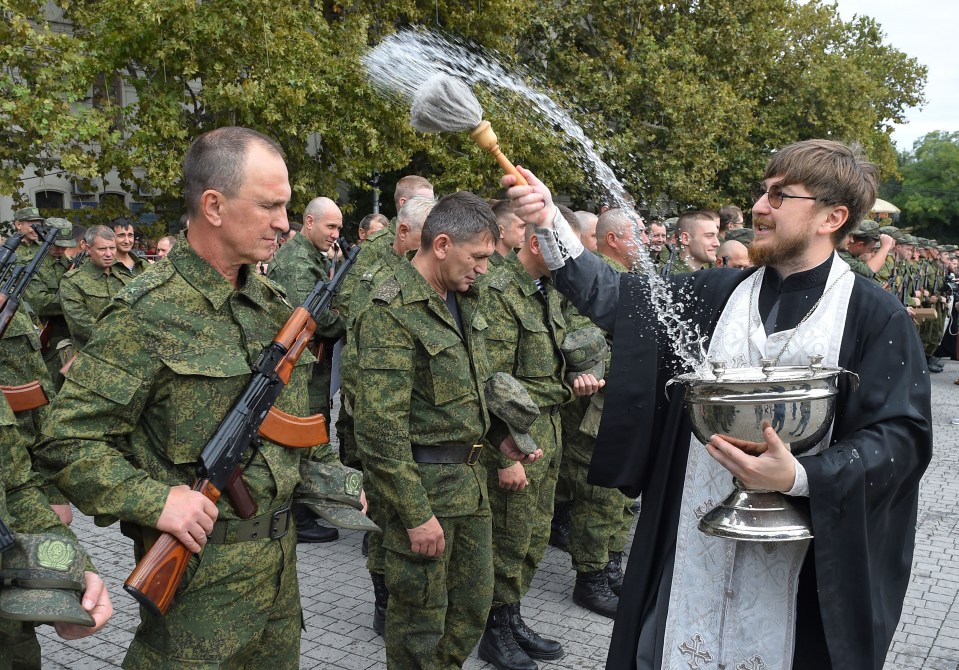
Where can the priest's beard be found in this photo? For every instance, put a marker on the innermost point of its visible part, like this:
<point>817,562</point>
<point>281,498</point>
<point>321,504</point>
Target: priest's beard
<point>779,252</point>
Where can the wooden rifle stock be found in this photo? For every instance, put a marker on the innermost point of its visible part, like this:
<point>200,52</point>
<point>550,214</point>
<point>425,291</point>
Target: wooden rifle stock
<point>25,397</point>
<point>154,581</point>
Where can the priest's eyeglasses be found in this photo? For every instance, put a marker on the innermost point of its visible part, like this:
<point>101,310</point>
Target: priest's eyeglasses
<point>776,195</point>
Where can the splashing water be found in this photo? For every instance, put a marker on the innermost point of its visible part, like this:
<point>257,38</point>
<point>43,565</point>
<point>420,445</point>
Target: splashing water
<point>402,62</point>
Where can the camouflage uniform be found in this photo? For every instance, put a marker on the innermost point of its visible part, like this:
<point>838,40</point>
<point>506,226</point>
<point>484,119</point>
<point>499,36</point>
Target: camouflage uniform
<point>140,265</point>
<point>526,329</point>
<point>84,293</point>
<point>423,385</point>
<point>43,294</point>
<point>680,266</point>
<point>297,267</point>
<point>23,505</point>
<point>600,517</point>
<point>856,265</point>
<point>166,362</point>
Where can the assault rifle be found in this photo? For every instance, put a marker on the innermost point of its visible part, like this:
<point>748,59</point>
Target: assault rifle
<point>668,267</point>
<point>8,255</point>
<point>14,287</point>
<point>157,576</point>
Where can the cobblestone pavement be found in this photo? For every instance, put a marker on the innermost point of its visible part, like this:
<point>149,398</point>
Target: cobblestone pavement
<point>338,600</point>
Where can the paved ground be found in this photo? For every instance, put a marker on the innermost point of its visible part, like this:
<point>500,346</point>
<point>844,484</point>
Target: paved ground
<point>337,596</point>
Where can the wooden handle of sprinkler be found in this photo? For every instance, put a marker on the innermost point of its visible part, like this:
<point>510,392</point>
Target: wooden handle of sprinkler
<point>484,136</point>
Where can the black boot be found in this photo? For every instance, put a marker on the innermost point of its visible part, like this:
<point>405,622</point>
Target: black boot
<point>529,640</point>
<point>592,592</point>
<point>381,598</point>
<point>559,528</point>
<point>308,530</point>
<point>498,646</point>
<point>614,572</point>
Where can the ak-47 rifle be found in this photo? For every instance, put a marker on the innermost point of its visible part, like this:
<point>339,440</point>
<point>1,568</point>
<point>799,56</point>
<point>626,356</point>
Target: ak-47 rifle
<point>14,287</point>
<point>668,267</point>
<point>158,574</point>
<point>8,255</point>
<point>48,326</point>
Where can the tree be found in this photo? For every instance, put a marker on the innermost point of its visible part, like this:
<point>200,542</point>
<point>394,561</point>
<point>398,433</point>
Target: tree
<point>928,193</point>
<point>688,98</point>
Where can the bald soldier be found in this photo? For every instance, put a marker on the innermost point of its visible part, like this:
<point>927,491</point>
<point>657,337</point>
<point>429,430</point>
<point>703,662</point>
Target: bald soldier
<point>297,267</point>
<point>734,254</point>
<point>616,237</point>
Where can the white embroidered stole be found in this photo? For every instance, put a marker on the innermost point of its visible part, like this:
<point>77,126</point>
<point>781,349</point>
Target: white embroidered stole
<point>732,604</point>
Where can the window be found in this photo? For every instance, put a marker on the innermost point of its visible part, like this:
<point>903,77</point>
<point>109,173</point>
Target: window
<point>49,199</point>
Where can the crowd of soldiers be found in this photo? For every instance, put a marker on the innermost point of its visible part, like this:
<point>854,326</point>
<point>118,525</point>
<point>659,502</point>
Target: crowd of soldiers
<point>470,399</point>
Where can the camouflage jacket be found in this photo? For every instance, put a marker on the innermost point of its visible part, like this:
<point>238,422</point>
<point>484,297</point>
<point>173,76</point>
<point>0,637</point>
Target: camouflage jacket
<point>421,383</point>
<point>525,332</point>
<point>140,265</point>
<point>363,285</point>
<point>885,272</point>
<point>26,508</point>
<point>43,292</point>
<point>164,366</point>
<point>84,294</point>
<point>856,265</point>
<point>297,267</point>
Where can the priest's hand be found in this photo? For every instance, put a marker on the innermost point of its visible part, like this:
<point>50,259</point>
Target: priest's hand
<point>533,203</point>
<point>773,469</point>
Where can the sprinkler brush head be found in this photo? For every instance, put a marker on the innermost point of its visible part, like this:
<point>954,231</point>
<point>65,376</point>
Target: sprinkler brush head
<point>445,104</point>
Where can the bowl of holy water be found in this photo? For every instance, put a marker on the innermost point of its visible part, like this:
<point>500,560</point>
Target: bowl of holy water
<point>798,401</point>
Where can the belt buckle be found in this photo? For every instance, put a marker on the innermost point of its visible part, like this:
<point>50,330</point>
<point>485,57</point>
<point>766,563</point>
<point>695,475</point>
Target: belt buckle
<point>281,515</point>
<point>474,454</point>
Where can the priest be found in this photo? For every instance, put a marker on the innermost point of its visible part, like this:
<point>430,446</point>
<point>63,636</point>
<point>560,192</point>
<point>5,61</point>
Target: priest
<point>693,601</point>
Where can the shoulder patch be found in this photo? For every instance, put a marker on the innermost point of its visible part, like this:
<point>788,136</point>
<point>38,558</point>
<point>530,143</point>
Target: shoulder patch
<point>387,291</point>
<point>156,276</point>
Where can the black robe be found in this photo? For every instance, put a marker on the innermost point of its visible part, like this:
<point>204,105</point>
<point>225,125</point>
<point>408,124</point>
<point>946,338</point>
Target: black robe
<point>863,489</point>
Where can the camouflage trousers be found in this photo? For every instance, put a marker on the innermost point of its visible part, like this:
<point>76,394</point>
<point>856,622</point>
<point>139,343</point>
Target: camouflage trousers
<point>239,609</point>
<point>521,519</point>
<point>438,606</point>
<point>19,648</point>
<point>600,517</point>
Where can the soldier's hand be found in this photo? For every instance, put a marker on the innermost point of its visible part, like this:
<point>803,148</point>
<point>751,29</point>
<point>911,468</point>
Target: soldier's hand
<point>587,384</point>
<point>428,539</point>
<point>513,478</point>
<point>509,449</point>
<point>96,601</point>
<point>533,203</point>
<point>64,513</point>
<point>188,516</point>
<point>363,502</point>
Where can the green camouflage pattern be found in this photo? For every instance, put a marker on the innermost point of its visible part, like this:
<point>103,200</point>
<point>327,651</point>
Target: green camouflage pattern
<point>600,517</point>
<point>297,267</point>
<point>856,265</point>
<point>509,400</point>
<point>140,265</point>
<point>741,235</point>
<point>422,384</point>
<point>46,571</point>
<point>64,236</point>
<point>27,214</point>
<point>526,330</point>
<point>333,492</point>
<point>43,294</point>
<point>166,362</point>
<point>84,293</point>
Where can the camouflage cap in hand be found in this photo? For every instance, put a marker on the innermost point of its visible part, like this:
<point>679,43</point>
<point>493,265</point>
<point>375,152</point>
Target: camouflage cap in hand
<point>585,350</point>
<point>42,578</point>
<point>27,214</point>
<point>64,232</point>
<point>333,492</point>
<point>508,399</point>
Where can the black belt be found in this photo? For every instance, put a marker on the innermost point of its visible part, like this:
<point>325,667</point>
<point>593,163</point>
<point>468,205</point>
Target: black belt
<point>446,453</point>
<point>272,525</point>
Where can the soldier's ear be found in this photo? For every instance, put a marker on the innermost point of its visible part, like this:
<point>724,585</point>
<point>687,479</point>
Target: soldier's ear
<point>441,245</point>
<point>211,206</point>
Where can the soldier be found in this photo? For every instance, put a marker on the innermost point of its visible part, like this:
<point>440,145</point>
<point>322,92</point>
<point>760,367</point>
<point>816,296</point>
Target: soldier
<point>25,508</point>
<point>526,328</point>
<point>164,244</point>
<point>126,260</point>
<point>420,418</point>
<point>697,234</point>
<point>616,237</point>
<point>166,362</point>
<point>587,228</point>
<point>85,291</point>
<point>370,224</point>
<point>24,219</point>
<point>860,245</point>
<point>730,218</point>
<point>43,294</point>
<point>659,250</point>
<point>378,244</point>
<point>733,254</point>
<point>512,231</point>
<point>297,266</point>
<point>409,229</point>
